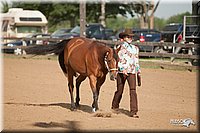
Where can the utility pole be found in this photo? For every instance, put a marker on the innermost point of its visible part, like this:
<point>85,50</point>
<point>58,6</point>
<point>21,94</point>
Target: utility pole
<point>151,17</point>
<point>154,8</point>
<point>102,17</point>
<point>82,9</point>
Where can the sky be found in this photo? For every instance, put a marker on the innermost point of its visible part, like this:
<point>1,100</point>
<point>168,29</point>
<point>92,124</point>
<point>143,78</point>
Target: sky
<point>170,8</point>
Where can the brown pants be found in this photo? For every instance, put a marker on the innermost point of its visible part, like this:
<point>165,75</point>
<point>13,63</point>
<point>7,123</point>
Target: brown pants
<point>121,78</point>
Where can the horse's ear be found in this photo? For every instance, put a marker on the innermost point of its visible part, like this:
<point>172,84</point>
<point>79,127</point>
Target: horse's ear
<point>109,54</point>
<point>117,48</point>
<point>106,55</point>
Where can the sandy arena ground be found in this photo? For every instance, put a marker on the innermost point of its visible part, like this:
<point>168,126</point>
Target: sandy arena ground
<point>36,98</point>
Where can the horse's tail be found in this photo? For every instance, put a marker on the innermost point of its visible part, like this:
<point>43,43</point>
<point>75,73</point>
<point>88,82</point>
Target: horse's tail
<point>61,61</point>
<point>47,49</point>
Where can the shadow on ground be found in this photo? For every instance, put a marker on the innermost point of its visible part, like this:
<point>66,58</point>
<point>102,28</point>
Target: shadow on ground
<point>84,108</point>
<point>70,125</point>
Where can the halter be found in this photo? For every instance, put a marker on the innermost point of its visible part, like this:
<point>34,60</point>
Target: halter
<point>109,69</point>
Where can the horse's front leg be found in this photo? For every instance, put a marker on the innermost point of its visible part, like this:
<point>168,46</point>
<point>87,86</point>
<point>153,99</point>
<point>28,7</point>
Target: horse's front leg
<point>93,82</point>
<point>78,83</point>
<point>100,82</point>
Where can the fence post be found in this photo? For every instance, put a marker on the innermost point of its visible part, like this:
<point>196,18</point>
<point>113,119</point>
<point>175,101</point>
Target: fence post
<point>184,26</point>
<point>23,44</point>
<point>173,48</point>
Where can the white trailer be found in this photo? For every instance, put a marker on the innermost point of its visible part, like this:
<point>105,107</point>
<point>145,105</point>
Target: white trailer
<point>20,23</point>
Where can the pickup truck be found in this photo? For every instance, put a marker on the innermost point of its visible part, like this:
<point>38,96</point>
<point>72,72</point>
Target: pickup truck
<point>93,31</point>
<point>171,32</point>
<point>147,35</point>
<point>150,35</point>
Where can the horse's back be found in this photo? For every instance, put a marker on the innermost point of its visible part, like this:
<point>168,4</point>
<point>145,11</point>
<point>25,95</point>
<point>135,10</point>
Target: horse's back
<point>82,55</point>
<point>80,47</point>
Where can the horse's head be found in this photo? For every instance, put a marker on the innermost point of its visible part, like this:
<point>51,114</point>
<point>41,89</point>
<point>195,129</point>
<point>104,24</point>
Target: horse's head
<point>111,64</point>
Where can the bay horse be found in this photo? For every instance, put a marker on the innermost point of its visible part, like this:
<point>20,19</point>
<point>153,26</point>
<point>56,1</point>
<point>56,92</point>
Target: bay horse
<point>81,57</point>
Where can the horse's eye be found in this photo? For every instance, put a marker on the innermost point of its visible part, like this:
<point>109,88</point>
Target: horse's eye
<point>108,61</point>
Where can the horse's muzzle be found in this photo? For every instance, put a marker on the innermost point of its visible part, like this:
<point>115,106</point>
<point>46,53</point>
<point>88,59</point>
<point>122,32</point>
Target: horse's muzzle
<point>112,77</point>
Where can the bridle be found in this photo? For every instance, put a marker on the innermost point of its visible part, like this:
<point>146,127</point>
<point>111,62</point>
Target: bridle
<point>109,69</point>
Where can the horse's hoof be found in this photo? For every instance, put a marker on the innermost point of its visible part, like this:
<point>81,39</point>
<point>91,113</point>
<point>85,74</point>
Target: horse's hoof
<point>93,109</point>
<point>73,108</point>
<point>77,104</point>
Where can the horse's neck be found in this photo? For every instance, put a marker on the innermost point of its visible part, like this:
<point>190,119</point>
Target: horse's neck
<point>103,50</point>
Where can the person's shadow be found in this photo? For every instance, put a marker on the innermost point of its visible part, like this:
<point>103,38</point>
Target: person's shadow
<point>124,111</point>
<point>121,111</point>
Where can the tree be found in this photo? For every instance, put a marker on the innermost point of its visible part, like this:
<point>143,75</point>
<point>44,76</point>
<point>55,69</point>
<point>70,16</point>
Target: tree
<point>178,18</point>
<point>111,11</point>
<point>102,17</point>
<point>121,22</point>
<point>159,23</point>
<point>142,9</point>
<point>151,17</point>
<point>5,6</point>
<point>56,13</point>
<point>62,13</point>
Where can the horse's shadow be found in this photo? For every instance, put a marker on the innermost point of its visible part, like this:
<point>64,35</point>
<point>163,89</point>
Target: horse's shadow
<point>84,108</point>
<point>71,125</point>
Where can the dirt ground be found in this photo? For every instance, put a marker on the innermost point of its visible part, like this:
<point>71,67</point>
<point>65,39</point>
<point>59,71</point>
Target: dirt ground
<point>36,98</point>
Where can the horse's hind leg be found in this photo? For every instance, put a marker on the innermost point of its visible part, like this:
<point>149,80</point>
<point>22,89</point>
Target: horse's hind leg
<point>78,83</point>
<point>71,87</point>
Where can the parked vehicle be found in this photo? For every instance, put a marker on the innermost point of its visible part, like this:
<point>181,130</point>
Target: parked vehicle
<point>192,34</point>
<point>171,32</point>
<point>110,34</point>
<point>61,33</point>
<point>94,31</point>
<point>11,49</point>
<point>147,35</point>
<point>150,35</point>
<point>29,40</point>
<point>20,23</point>
<point>64,33</point>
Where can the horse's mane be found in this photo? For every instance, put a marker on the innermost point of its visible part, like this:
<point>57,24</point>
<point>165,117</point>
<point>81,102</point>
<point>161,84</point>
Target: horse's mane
<point>100,43</point>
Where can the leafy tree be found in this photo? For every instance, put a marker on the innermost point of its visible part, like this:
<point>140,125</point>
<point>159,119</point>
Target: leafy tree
<point>159,23</point>
<point>116,23</point>
<point>5,6</point>
<point>62,14</point>
<point>58,14</point>
<point>112,10</point>
<point>177,18</point>
<point>121,22</point>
